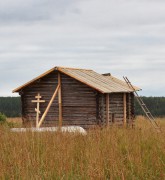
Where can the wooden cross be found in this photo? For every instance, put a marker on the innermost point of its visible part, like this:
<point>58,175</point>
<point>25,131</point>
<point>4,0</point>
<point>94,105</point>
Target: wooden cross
<point>37,110</point>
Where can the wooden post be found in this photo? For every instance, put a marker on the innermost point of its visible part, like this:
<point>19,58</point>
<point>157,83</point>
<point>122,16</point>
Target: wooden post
<point>60,100</point>
<point>38,101</point>
<point>102,105</point>
<point>48,107</point>
<point>107,110</point>
<point>125,110</point>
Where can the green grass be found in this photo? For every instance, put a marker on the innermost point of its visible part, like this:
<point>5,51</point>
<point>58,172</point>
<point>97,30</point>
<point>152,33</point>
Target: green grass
<point>113,153</point>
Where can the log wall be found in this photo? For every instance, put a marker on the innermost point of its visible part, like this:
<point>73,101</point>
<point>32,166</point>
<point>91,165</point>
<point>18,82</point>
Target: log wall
<point>116,109</point>
<point>79,103</point>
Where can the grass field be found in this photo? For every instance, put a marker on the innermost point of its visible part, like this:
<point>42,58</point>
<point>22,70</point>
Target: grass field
<point>113,153</point>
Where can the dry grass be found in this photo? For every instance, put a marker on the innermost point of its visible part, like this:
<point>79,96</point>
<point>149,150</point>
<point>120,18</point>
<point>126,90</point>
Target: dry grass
<point>102,154</point>
<point>15,120</point>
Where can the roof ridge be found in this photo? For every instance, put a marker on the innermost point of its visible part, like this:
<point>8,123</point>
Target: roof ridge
<point>63,67</point>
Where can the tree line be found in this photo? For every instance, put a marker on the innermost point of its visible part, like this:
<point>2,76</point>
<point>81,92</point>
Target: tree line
<point>11,106</point>
<point>155,104</point>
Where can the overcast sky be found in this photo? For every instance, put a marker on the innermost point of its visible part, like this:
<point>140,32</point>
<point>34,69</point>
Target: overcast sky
<point>123,37</point>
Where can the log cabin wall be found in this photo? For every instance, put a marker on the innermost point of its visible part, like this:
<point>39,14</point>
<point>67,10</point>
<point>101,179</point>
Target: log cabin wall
<point>79,102</point>
<point>116,113</point>
<point>116,109</point>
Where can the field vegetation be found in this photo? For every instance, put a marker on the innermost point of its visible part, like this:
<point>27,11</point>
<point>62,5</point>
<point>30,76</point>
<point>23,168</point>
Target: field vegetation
<point>110,153</point>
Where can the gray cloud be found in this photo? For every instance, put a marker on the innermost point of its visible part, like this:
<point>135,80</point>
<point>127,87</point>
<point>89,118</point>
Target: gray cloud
<point>122,37</point>
<point>38,10</point>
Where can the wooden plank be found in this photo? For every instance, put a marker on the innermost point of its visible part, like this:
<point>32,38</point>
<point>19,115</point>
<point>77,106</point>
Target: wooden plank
<point>48,107</point>
<point>38,96</point>
<point>60,100</point>
<point>107,109</point>
<point>37,101</point>
<point>125,110</point>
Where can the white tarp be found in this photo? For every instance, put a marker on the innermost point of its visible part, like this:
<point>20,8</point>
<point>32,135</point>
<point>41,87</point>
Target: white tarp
<point>70,129</point>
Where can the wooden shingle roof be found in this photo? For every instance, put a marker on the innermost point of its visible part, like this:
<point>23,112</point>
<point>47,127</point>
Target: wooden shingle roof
<point>103,84</point>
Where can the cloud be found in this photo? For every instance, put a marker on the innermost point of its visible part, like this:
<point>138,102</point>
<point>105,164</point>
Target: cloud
<point>119,36</point>
<point>32,11</point>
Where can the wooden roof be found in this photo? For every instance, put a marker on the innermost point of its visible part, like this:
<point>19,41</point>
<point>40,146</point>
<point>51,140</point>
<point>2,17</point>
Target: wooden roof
<point>103,84</point>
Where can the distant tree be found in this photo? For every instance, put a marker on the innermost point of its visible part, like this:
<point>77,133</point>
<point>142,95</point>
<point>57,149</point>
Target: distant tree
<point>10,106</point>
<point>155,104</point>
<point>2,118</point>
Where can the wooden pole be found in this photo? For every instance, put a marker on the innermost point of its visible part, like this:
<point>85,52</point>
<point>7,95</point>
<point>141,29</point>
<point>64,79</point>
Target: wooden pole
<point>125,110</point>
<point>107,110</point>
<point>48,107</point>
<point>60,100</point>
